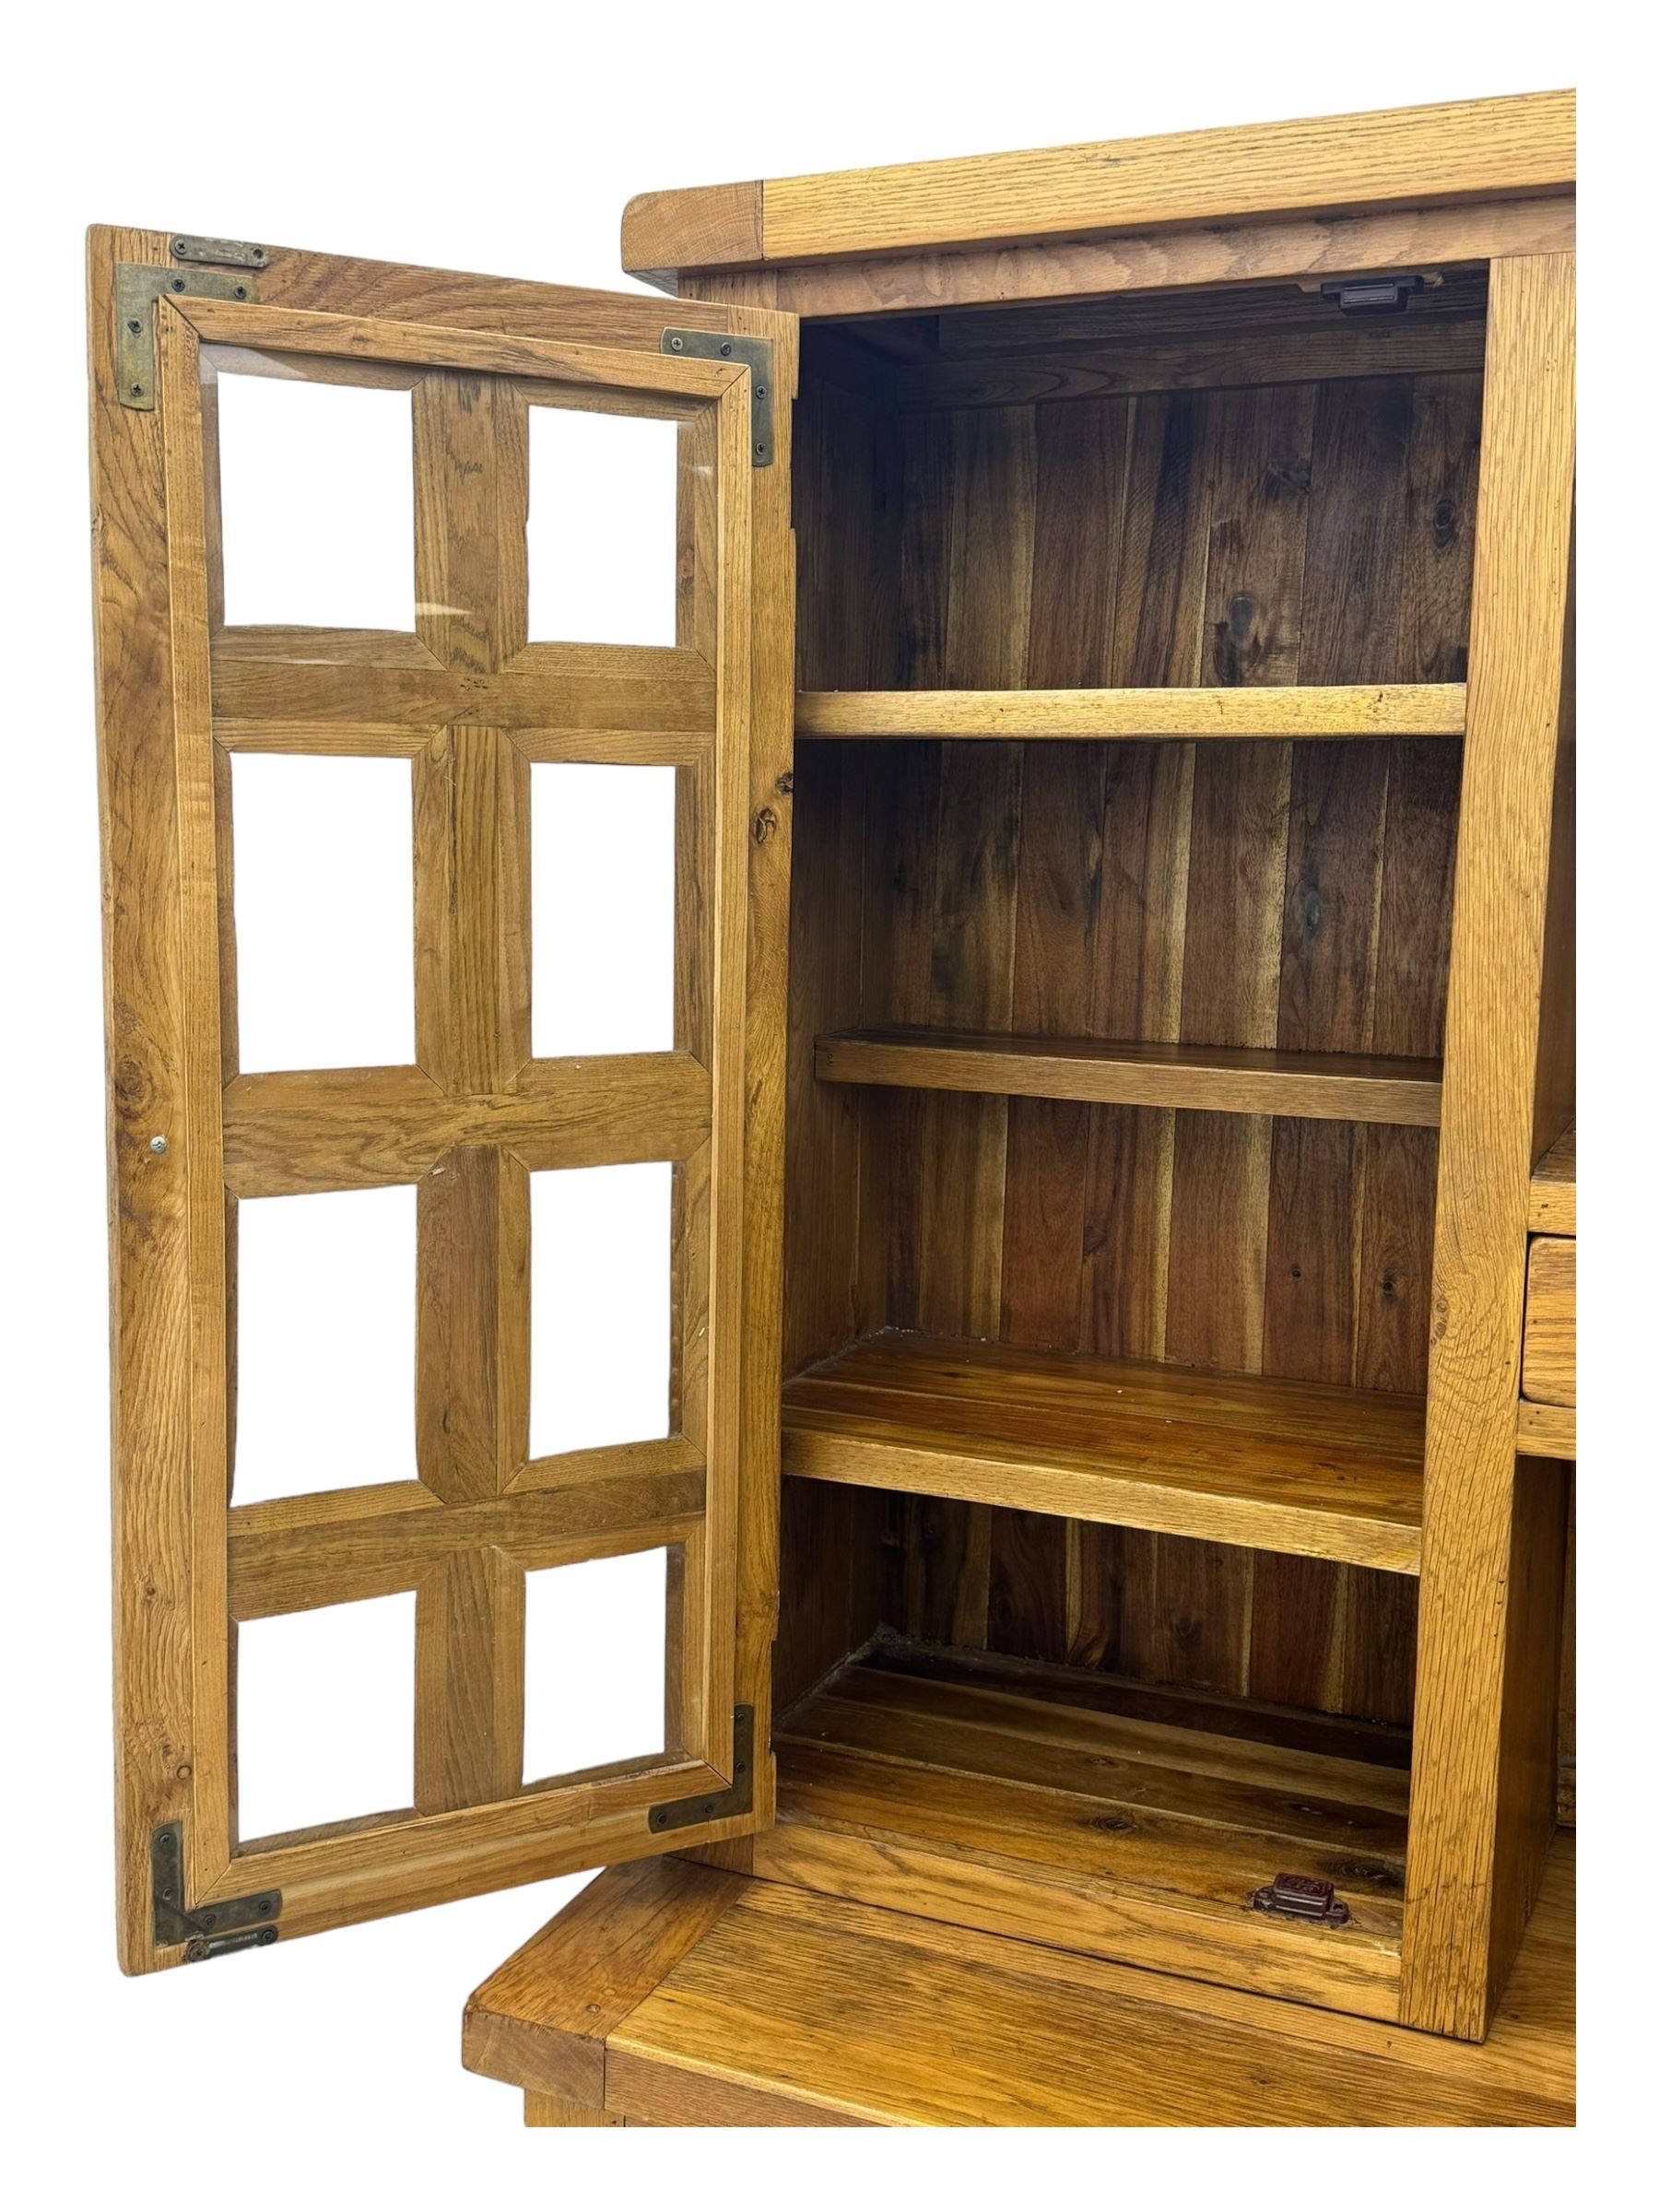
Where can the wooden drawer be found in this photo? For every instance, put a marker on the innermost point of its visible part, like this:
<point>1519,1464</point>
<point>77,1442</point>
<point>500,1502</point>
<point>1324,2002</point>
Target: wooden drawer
<point>1548,1357</point>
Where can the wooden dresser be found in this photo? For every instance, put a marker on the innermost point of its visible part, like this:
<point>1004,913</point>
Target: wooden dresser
<point>1121,1092</point>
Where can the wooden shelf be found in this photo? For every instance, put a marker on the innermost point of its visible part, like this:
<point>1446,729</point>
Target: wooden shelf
<point>1314,1085</point>
<point>1304,1467</point>
<point>1244,711</point>
<point>1098,1815</point>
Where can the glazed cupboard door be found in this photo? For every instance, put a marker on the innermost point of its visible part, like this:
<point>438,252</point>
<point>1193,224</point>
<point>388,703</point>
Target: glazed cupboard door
<point>444,641</point>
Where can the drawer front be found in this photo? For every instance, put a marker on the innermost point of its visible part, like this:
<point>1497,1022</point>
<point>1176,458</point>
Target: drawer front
<point>1547,1358</point>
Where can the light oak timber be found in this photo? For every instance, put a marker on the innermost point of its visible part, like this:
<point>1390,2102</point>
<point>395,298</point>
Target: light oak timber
<point>663,694</point>
<point>267,328</point>
<point>1327,1087</point>
<point>1325,166</point>
<point>1552,1200</point>
<point>143,1027</point>
<point>1548,1357</point>
<point>801,2010</point>
<point>299,277</point>
<point>1408,240</point>
<point>1547,1431</point>
<point>1308,1469</point>
<point>1300,710</point>
<point>1485,1716</point>
<point>294,1553</point>
<point>400,1862</point>
<point>768,817</point>
<point>554,2111</point>
<point>542,2020</point>
<point>1097,1831</point>
<point>353,1128</point>
<point>702,226</point>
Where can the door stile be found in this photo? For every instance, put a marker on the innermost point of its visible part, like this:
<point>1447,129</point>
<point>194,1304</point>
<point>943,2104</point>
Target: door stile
<point>1483,1772</point>
<point>724,1274</point>
<point>771,785</point>
<point>193,558</point>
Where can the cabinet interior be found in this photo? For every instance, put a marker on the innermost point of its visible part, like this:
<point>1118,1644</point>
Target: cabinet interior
<point>1102,1405</point>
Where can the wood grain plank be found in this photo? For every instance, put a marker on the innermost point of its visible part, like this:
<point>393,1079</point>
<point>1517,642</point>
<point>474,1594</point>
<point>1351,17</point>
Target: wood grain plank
<point>1329,165</point>
<point>469,1694</point>
<point>1114,1441</point>
<point>1211,1079</point>
<point>1158,260</point>
<point>352,1128</point>
<point>541,2019</point>
<point>807,2009</point>
<point>1335,710</point>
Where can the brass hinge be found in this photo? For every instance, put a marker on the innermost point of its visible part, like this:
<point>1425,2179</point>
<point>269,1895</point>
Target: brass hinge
<point>229,1923</point>
<point>1300,1897</point>
<point>756,355</point>
<point>138,285</point>
<point>737,1797</point>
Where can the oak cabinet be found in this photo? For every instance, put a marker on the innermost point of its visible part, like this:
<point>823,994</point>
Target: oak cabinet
<point>1114,705</point>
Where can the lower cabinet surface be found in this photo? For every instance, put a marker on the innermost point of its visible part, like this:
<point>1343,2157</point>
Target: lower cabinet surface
<point>673,1994</point>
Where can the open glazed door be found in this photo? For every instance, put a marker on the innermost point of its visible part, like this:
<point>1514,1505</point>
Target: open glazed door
<point>624,803</point>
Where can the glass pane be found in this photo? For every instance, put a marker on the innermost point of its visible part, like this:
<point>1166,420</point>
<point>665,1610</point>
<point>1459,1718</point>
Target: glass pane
<point>603,528</point>
<point>325,908</point>
<point>602,909</point>
<point>325,1343</point>
<point>326,1714</point>
<point>594,1663</point>
<point>600,1305</point>
<point>317,504</point>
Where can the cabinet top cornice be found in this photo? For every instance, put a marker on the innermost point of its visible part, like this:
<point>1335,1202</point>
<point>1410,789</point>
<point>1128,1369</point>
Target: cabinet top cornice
<point>1462,152</point>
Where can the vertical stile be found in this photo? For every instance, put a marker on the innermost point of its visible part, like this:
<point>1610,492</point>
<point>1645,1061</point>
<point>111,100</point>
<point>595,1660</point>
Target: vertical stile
<point>1483,1791</point>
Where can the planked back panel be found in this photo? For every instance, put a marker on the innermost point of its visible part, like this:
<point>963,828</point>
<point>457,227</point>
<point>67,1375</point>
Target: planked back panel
<point>1247,894</point>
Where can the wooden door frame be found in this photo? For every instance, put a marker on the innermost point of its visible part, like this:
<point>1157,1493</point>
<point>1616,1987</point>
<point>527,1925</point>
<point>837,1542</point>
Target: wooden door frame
<point>147,955</point>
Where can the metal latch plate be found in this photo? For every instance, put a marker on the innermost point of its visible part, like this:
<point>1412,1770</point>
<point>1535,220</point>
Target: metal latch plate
<point>1300,1897</point>
<point>228,253</point>
<point>138,285</point>
<point>228,1923</point>
<point>736,1798</point>
<point>756,355</point>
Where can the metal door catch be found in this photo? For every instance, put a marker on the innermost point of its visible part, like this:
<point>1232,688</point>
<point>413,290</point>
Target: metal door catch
<point>1300,1897</point>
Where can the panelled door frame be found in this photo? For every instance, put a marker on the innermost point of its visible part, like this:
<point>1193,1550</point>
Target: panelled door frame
<point>177,1582</point>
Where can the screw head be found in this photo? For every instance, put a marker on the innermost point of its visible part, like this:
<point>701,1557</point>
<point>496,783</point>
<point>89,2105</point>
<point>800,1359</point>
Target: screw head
<point>177,284</point>
<point>677,345</point>
<point>158,1144</point>
<point>726,347</point>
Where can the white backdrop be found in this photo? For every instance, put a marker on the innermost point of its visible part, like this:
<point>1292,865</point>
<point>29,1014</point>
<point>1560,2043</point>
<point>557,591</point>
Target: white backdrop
<point>506,139</point>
